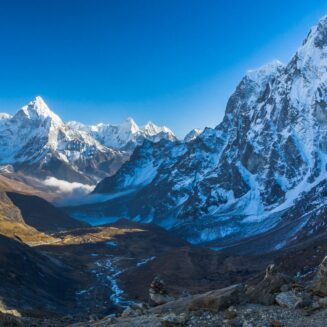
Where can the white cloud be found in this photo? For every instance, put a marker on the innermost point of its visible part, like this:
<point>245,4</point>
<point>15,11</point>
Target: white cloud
<point>66,188</point>
<point>76,194</point>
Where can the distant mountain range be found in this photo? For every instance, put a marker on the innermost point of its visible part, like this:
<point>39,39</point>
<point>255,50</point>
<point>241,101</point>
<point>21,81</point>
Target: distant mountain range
<point>261,170</point>
<point>37,142</point>
<point>125,136</point>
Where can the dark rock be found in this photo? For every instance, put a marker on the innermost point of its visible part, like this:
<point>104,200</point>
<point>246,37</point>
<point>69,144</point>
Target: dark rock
<point>285,288</point>
<point>7,320</point>
<point>288,300</point>
<point>135,309</point>
<point>323,302</point>
<point>306,301</point>
<point>173,320</point>
<point>264,292</point>
<point>235,323</point>
<point>219,299</point>
<point>275,323</point>
<point>319,284</point>
<point>211,301</point>
<point>158,292</point>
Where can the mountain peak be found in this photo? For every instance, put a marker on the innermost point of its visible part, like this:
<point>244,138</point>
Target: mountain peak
<point>258,75</point>
<point>131,125</point>
<point>4,116</point>
<point>317,36</point>
<point>311,57</point>
<point>39,101</point>
<point>322,25</point>
<point>192,135</point>
<point>150,124</point>
<point>151,128</point>
<point>37,109</point>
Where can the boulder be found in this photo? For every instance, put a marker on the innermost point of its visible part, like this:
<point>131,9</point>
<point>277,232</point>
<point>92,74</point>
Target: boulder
<point>319,283</point>
<point>275,323</point>
<point>211,301</point>
<point>219,299</point>
<point>231,313</point>
<point>10,320</point>
<point>288,300</point>
<point>306,300</point>
<point>323,302</point>
<point>264,292</point>
<point>173,320</point>
<point>135,309</point>
<point>129,312</point>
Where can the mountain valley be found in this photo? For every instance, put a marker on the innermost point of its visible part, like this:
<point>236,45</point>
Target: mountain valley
<point>127,225</point>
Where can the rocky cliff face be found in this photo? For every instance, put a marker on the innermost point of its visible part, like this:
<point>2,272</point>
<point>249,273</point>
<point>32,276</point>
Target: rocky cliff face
<point>250,174</point>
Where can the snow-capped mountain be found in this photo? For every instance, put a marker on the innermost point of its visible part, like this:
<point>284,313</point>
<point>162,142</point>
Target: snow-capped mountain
<point>192,135</point>
<point>4,116</point>
<point>37,142</point>
<point>125,136</point>
<point>263,168</point>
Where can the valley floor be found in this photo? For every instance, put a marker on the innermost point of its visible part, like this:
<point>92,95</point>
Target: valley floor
<point>67,273</point>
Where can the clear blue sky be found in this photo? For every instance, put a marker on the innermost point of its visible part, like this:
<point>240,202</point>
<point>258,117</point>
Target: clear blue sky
<point>174,62</point>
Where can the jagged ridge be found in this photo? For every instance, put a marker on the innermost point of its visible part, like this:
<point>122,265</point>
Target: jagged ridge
<point>241,178</point>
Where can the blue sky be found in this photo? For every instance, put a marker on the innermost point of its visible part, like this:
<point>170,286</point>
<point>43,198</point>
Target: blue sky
<point>174,62</point>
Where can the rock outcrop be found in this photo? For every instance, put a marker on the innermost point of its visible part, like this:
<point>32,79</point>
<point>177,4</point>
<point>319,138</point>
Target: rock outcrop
<point>265,291</point>
<point>213,301</point>
<point>319,285</point>
<point>288,300</point>
<point>158,293</point>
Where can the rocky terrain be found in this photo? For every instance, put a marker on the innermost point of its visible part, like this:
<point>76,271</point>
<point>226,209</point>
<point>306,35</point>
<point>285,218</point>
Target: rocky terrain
<point>274,301</point>
<point>277,300</point>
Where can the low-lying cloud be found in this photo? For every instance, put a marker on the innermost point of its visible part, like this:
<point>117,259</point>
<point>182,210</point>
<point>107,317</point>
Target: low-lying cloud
<point>65,188</point>
<point>77,194</point>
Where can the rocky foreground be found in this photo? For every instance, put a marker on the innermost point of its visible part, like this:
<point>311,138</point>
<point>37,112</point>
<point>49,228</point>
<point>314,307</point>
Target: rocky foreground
<point>275,301</point>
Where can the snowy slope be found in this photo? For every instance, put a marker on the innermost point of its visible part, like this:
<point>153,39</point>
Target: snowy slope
<point>248,174</point>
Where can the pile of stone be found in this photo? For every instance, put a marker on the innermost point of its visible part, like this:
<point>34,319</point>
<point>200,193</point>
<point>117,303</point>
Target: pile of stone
<point>158,292</point>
